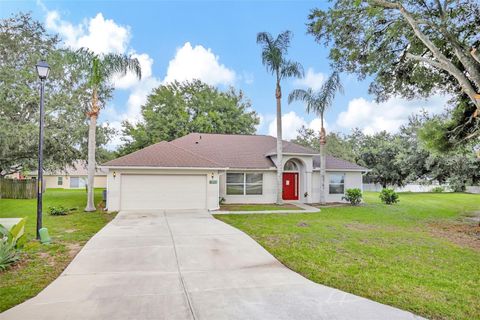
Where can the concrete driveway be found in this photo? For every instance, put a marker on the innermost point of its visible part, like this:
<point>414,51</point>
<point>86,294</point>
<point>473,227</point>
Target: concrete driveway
<point>186,265</point>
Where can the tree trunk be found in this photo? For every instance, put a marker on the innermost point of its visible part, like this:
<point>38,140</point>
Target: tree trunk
<point>91,153</point>
<point>323,160</point>
<point>278,96</point>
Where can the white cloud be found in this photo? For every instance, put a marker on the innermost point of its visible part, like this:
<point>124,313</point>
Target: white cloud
<point>312,80</point>
<point>291,123</point>
<point>198,63</point>
<point>373,117</point>
<point>98,34</point>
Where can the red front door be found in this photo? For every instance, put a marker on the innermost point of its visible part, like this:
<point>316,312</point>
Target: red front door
<point>290,186</point>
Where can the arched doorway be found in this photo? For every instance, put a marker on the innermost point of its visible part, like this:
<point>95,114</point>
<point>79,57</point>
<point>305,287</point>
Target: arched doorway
<point>290,180</point>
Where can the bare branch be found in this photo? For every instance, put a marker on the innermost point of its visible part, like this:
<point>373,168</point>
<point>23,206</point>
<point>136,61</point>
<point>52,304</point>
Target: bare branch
<point>474,54</point>
<point>426,60</point>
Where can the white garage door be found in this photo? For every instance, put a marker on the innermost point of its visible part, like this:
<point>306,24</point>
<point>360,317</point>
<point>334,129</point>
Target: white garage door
<point>146,192</point>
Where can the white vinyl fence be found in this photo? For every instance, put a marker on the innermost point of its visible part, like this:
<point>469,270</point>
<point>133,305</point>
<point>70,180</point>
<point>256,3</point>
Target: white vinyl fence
<point>473,189</point>
<point>407,188</point>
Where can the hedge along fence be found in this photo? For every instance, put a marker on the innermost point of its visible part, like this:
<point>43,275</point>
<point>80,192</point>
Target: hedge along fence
<point>18,189</point>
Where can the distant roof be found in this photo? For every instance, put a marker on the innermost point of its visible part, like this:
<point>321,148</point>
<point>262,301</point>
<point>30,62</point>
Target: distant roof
<point>78,168</point>
<point>208,150</point>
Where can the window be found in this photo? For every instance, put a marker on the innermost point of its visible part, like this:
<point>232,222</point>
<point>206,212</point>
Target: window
<point>337,184</point>
<point>290,166</point>
<point>60,181</point>
<point>244,183</point>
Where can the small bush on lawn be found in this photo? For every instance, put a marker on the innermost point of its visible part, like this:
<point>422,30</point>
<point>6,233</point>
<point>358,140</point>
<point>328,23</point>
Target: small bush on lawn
<point>354,196</point>
<point>8,254</point>
<point>59,211</point>
<point>10,241</point>
<point>388,196</point>
<point>438,189</point>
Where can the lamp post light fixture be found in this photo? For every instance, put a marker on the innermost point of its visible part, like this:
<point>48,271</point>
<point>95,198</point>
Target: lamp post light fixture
<point>42,70</point>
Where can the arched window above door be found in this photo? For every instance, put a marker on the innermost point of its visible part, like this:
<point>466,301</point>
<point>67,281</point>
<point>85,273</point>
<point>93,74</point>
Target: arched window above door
<point>290,166</point>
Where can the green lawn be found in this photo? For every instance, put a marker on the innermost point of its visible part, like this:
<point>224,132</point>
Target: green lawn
<point>419,255</point>
<point>258,207</point>
<point>41,264</point>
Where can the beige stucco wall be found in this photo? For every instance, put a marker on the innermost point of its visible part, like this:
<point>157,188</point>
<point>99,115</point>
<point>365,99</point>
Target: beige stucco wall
<point>52,181</point>
<point>114,184</point>
<point>353,179</point>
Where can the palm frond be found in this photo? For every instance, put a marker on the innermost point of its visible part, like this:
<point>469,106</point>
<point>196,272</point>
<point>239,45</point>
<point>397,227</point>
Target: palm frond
<point>291,69</point>
<point>264,38</point>
<point>300,95</point>
<point>117,64</point>
<point>328,91</point>
<point>283,41</point>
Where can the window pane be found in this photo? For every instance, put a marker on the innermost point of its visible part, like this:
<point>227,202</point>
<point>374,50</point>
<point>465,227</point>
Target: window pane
<point>234,189</point>
<point>290,166</point>
<point>254,178</point>
<point>254,189</point>
<point>336,189</point>
<point>60,181</point>
<point>337,178</point>
<point>234,177</point>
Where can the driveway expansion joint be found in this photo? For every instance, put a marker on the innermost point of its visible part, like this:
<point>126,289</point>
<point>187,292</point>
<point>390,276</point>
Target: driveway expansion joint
<point>190,304</point>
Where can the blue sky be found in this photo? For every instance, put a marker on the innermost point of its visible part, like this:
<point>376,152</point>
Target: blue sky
<point>215,41</point>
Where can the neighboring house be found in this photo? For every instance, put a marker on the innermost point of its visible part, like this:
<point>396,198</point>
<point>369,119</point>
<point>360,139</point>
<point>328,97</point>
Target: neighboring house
<point>195,171</point>
<point>72,177</point>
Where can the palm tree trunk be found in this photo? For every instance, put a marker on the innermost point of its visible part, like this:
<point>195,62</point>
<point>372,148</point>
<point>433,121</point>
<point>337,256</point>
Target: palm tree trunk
<point>323,160</point>
<point>91,153</point>
<point>278,96</point>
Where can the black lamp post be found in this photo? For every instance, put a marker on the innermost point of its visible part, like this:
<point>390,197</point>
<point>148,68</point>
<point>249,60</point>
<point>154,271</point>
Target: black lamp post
<point>42,70</point>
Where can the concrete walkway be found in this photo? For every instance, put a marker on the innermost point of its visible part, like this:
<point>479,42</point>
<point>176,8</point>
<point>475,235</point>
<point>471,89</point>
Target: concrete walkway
<point>186,265</point>
<point>305,208</point>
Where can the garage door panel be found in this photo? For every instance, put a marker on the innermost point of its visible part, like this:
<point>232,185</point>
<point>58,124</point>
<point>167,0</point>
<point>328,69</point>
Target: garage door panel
<point>147,192</point>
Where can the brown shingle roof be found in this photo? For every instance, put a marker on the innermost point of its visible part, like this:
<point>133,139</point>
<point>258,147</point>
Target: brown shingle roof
<point>333,163</point>
<point>220,151</point>
<point>233,151</point>
<point>163,154</point>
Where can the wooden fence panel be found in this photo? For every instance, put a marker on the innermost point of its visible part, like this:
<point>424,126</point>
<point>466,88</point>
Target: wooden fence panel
<point>18,189</point>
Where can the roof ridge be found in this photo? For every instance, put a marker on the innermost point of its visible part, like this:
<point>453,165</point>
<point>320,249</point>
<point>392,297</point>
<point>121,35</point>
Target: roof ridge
<point>193,153</point>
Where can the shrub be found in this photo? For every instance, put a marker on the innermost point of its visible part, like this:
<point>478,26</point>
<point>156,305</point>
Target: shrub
<point>388,196</point>
<point>14,235</point>
<point>58,211</point>
<point>9,242</point>
<point>354,196</point>
<point>8,254</point>
<point>438,189</point>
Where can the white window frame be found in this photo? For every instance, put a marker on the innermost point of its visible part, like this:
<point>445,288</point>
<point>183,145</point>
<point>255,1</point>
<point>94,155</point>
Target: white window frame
<point>336,184</point>
<point>60,181</point>
<point>244,184</point>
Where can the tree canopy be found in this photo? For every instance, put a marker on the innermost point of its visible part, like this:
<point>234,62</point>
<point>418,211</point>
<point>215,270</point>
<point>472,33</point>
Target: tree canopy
<point>176,109</point>
<point>23,42</point>
<point>410,48</point>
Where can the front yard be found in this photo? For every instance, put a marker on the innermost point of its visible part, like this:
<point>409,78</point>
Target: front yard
<point>421,255</point>
<point>41,264</point>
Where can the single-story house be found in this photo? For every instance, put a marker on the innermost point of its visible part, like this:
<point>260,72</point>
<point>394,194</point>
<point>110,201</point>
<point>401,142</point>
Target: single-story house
<point>199,170</point>
<point>71,177</point>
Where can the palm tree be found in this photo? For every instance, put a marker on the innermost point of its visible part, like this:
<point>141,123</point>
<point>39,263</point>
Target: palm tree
<point>319,102</point>
<point>101,69</point>
<point>273,57</point>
